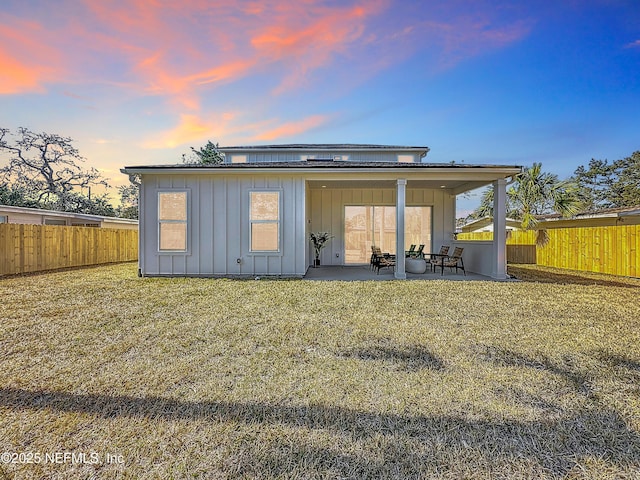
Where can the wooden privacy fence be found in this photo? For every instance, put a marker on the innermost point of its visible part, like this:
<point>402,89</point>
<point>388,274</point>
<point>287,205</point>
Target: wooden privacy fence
<point>610,249</point>
<point>33,248</point>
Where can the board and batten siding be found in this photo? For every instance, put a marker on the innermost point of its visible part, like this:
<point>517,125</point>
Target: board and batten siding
<point>301,155</point>
<point>218,226</point>
<point>326,207</point>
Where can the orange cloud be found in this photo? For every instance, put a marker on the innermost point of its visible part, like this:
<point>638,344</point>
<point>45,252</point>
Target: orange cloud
<point>195,130</point>
<point>292,129</point>
<point>191,129</point>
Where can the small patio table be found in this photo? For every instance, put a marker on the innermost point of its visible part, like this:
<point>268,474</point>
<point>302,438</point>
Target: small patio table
<point>433,256</point>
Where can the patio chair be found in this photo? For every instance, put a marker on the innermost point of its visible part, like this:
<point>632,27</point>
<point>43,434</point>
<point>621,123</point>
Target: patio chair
<point>375,254</point>
<point>418,253</point>
<point>386,261</point>
<point>412,249</point>
<point>435,258</point>
<point>453,261</point>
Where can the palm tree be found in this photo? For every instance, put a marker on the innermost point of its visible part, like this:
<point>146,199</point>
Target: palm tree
<point>535,193</point>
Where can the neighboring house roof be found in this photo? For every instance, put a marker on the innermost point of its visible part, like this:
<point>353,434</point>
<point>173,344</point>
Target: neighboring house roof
<point>604,217</point>
<point>487,221</point>
<point>606,212</point>
<point>72,215</point>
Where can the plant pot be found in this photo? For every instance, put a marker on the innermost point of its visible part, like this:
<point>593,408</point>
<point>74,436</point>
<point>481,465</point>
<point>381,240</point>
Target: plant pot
<point>316,262</point>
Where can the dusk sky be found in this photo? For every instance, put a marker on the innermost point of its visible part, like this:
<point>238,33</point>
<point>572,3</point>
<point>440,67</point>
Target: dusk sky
<point>506,82</point>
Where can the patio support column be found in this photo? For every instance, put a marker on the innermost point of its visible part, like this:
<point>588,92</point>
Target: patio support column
<point>401,191</point>
<point>499,268</point>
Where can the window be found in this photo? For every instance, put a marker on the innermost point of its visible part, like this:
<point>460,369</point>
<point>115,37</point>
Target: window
<point>264,216</point>
<point>172,221</point>
<point>4,219</point>
<point>93,225</point>
<point>55,221</point>
<point>238,159</point>
<point>406,158</point>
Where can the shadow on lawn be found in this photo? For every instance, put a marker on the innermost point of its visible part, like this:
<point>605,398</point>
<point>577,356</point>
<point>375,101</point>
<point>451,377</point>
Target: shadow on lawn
<point>619,361</point>
<point>565,369</point>
<point>409,358</point>
<point>573,278</point>
<point>373,445</point>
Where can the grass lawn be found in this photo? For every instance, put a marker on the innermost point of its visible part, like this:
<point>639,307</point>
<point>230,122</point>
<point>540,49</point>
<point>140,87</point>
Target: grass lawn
<point>210,378</point>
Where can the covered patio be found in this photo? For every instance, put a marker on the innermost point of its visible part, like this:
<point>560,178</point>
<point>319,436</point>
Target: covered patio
<point>400,205</point>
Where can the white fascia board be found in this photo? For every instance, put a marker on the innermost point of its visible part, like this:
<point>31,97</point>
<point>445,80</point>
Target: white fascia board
<point>470,173</point>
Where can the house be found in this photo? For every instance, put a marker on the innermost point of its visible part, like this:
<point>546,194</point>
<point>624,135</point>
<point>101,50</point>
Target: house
<point>485,224</point>
<point>252,214</point>
<point>35,216</point>
<point>601,218</point>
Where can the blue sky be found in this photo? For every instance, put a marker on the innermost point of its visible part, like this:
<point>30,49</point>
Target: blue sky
<point>139,82</point>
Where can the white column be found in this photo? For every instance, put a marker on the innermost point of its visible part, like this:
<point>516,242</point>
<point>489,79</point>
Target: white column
<point>499,267</point>
<point>401,190</point>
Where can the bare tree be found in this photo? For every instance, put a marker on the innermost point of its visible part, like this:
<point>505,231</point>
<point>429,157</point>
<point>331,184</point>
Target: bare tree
<point>44,166</point>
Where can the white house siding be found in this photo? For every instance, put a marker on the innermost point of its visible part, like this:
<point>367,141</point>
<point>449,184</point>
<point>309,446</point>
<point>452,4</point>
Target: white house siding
<point>327,213</point>
<point>218,226</point>
<point>27,219</point>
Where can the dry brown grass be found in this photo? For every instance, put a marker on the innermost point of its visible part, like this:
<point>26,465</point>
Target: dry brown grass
<point>202,378</point>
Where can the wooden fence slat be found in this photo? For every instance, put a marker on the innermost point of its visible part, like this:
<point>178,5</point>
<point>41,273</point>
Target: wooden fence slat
<point>32,248</point>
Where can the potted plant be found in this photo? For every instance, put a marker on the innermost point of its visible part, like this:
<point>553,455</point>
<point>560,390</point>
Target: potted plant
<point>319,240</point>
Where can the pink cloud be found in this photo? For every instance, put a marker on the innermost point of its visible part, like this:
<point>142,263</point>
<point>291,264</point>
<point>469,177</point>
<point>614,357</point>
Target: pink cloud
<point>635,44</point>
<point>181,51</point>
<point>470,37</point>
<point>308,38</point>
<point>26,62</point>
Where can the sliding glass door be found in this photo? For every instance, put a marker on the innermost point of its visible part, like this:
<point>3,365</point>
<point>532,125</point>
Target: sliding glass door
<point>367,225</point>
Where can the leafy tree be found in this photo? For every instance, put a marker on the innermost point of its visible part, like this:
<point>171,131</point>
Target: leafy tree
<point>610,185</point>
<point>207,155</point>
<point>78,203</point>
<point>129,198</point>
<point>9,195</point>
<point>45,166</point>
<point>534,193</point>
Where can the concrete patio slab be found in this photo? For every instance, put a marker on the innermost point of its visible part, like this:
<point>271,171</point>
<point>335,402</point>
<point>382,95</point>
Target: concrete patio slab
<point>363,272</point>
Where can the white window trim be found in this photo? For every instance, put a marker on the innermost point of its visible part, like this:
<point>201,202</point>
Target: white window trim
<point>187,222</point>
<point>279,222</point>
